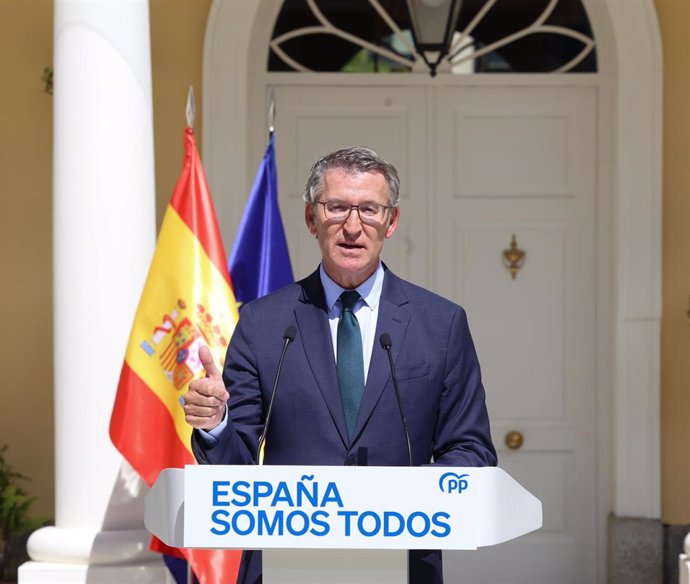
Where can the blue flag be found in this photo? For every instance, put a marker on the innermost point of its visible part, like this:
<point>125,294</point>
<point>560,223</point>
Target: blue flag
<point>259,262</point>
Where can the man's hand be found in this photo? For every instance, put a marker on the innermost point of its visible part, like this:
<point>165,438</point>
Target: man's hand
<point>204,402</point>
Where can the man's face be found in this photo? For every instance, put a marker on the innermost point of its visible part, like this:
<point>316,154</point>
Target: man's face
<point>351,249</point>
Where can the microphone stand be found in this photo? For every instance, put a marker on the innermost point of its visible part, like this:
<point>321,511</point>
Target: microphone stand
<point>288,337</point>
<point>387,343</point>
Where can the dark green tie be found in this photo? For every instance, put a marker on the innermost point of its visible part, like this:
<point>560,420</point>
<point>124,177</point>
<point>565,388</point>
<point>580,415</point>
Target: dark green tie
<point>349,360</point>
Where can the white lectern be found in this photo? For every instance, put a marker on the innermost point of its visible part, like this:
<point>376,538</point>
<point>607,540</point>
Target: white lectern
<point>338,524</point>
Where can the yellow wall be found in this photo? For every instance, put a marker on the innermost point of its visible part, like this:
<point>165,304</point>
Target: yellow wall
<point>26,344</point>
<point>674,19</point>
<point>177,31</point>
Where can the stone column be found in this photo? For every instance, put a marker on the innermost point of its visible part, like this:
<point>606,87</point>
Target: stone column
<point>103,240</point>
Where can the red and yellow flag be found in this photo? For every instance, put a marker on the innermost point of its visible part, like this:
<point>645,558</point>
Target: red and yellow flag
<point>187,302</point>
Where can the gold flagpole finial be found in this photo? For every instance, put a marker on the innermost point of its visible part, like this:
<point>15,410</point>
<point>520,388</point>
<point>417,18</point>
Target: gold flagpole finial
<point>191,107</point>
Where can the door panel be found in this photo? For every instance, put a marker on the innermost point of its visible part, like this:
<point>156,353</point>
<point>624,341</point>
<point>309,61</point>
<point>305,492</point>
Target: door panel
<point>531,305</point>
<point>314,121</point>
<point>532,150</point>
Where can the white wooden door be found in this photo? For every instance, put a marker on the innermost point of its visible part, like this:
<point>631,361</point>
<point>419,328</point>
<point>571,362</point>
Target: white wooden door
<point>477,165</point>
<point>521,161</point>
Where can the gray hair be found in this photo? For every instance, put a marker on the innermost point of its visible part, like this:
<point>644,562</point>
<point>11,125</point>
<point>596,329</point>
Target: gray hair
<point>352,160</point>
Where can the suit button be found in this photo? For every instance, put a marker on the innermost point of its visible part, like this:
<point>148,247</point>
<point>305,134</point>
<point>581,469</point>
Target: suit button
<point>351,461</point>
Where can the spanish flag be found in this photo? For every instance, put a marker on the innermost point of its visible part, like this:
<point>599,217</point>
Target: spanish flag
<point>187,302</point>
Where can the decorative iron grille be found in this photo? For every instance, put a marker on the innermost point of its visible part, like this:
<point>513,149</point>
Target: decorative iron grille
<point>492,36</point>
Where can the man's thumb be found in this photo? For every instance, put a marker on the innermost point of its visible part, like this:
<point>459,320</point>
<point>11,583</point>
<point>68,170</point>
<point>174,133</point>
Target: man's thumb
<point>207,361</point>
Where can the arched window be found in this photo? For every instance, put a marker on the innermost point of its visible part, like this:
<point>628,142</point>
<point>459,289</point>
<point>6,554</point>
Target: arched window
<point>492,36</point>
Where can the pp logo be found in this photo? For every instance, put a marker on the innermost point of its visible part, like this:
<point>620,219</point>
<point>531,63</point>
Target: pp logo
<point>451,482</point>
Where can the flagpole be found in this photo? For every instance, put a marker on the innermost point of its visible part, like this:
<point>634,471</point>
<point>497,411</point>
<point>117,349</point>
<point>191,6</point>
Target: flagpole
<point>271,114</point>
<point>190,110</point>
<point>190,114</point>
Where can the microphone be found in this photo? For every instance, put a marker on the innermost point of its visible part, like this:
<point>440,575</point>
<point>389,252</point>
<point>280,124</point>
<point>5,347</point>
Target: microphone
<point>288,336</point>
<point>386,344</point>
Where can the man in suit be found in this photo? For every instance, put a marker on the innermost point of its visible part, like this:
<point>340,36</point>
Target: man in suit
<point>335,403</point>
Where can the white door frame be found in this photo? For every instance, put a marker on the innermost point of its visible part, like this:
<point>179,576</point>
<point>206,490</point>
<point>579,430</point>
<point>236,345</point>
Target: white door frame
<point>629,212</point>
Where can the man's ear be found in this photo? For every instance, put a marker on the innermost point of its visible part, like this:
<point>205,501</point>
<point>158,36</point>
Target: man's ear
<point>393,224</point>
<point>309,218</point>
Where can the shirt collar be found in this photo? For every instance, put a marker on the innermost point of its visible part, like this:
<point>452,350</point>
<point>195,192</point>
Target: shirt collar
<point>369,290</point>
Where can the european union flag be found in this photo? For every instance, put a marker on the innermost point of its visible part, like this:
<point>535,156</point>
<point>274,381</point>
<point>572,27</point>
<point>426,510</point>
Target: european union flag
<point>260,262</point>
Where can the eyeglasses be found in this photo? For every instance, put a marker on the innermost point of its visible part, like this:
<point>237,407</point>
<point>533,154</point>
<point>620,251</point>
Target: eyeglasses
<point>369,212</point>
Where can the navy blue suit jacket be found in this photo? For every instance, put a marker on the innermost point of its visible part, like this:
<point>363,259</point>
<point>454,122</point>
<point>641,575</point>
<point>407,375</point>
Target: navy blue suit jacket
<point>438,375</point>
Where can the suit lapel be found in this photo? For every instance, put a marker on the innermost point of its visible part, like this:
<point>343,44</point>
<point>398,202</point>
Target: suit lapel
<point>393,319</point>
<point>311,315</point>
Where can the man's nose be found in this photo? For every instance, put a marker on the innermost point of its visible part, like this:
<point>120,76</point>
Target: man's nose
<point>353,222</point>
